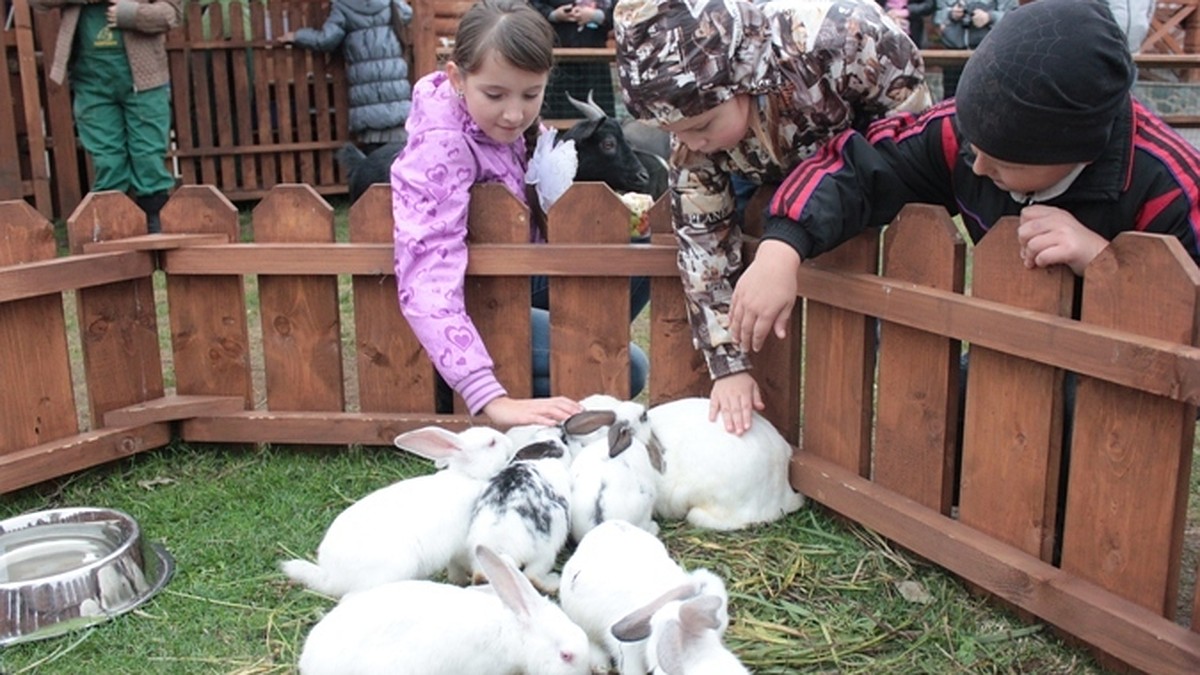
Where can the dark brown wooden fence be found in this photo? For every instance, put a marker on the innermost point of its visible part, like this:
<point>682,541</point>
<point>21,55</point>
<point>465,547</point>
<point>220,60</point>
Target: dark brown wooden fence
<point>251,113</point>
<point>1092,546</point>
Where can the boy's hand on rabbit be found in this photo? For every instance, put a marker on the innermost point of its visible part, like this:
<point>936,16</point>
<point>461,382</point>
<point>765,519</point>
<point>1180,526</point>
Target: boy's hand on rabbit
<point>764,296</point>
<point>735,398</point>
<point>1052,236</point>
<point>506,412</point>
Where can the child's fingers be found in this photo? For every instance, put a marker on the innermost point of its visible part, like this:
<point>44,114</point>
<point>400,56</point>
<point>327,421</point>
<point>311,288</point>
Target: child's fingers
<point>781,324</point>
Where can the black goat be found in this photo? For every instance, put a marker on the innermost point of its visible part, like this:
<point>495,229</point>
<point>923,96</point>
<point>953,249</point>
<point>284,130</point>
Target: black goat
<point>604,155</point>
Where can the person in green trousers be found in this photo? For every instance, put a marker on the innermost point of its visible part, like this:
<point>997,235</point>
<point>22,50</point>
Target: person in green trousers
<point>114,54</point>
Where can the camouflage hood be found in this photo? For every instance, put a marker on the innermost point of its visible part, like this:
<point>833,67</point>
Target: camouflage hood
<point>680,58</point>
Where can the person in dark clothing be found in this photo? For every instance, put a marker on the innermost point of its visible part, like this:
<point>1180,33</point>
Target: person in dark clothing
<point>918,10</point>
<point>962,24</point>
<point>1044,128</point>
<point>578,23</point>
<point>380,91</point>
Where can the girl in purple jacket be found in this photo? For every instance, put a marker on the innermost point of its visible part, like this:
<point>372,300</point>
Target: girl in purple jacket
<point>468,126</point>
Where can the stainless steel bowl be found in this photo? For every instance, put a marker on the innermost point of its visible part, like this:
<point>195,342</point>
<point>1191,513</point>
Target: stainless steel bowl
<point>65,569</point>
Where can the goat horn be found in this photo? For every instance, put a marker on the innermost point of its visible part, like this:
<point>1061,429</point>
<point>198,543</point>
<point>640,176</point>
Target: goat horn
<point>590,110</point>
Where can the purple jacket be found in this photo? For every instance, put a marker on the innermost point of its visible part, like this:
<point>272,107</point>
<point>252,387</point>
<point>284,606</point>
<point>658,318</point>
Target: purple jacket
<point>446,154</point>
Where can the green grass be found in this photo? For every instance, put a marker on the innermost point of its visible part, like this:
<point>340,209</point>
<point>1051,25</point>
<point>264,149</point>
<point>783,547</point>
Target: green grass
<point>811,593</point>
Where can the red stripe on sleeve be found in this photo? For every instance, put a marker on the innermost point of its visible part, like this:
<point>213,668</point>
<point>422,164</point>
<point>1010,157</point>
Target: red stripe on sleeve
<point>795,191</point>
<point>1152,208</point>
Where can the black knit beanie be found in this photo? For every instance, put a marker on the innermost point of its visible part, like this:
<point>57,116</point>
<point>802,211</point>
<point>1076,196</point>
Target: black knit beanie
<point>1046,85</point>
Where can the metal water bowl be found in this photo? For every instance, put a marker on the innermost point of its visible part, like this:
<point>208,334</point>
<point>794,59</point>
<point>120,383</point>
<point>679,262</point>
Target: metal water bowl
<point>64,569</point>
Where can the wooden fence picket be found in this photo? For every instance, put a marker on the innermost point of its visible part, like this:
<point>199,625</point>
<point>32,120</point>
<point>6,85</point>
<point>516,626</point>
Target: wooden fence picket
<point>264,136</point>
<point>1012,430</point>
<point>37,402</point>
<point>1131,451</point>
<point>498,306</point>
<point>678,369</point>
<point>918,371</point>
<point>839,366</point>
<point>301,318</point>
<point>589,213</point>
<point>210,337</point>
<point>777,365</point>
<point>117,321</point>
<point>394,372</point>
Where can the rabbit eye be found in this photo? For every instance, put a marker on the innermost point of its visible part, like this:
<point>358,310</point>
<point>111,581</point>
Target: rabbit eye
<point>567,657</point>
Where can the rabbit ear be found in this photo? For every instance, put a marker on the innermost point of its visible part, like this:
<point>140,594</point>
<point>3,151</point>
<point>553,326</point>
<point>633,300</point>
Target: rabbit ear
<point>696,616</point>
<point>700,614</point>
<point>431,443</point>
<point>670,648</point>
<point>619,438</point>
<point>539,450</point>
<point>513,589</point>
<point>636,625</point>
<point>654,449</point>
<point>584,423</point>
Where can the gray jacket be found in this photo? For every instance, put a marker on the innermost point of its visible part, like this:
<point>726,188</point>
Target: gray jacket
<point>380,92</point>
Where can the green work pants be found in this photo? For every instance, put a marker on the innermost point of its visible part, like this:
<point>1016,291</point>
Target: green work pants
<point>126,132</point>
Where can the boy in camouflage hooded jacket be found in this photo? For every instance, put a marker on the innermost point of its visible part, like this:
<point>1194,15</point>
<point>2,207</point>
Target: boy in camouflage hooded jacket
<point>749,89</point>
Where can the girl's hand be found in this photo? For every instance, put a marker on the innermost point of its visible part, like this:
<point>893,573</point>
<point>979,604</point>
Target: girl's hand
<point>764,296</point>
<point>1052,236</point>
<point>508,412</point>
<point>735,398</point>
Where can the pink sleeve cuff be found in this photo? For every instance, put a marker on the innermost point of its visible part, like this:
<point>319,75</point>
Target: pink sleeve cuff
<point>478,389</point>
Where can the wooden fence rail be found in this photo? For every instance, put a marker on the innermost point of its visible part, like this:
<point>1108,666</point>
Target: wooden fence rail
<point>1091,545</point>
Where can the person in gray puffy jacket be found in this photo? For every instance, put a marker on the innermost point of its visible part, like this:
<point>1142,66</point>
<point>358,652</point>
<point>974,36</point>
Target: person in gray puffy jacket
<point>380,91</point>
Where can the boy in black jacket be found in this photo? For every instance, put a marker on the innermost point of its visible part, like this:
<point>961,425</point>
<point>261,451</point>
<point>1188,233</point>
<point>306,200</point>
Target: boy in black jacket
<point>1044,127</point>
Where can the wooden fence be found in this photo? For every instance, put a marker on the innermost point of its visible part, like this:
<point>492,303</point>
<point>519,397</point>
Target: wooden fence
<point>1091,546</point>
<point>249,113</point>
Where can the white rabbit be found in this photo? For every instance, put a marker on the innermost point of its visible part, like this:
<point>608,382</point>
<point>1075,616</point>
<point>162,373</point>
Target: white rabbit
<point>582,429</point>
<point>630,411</point>
<point>683,637</point>
<point>529,434</point>
<point>524,512</point>
<point>717,480</point>
<point>413,528</point>
<point>613,478</point>
<point>427,628</point>
<point>617,570</point>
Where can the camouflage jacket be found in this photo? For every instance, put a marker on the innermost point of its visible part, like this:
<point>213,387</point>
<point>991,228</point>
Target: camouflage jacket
<point>831,65</point>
